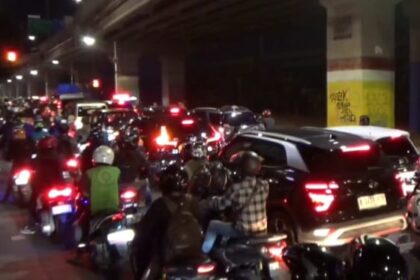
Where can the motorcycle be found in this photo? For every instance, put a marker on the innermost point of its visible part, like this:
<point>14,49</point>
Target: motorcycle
<point>56,208</point>
<point>131,204</point>
<point>21,186</point>
<point>109,241</point>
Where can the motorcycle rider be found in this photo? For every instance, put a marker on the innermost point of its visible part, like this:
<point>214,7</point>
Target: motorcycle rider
<point>48,169</point>
<point>149,245</point>
<point>95,140</point>
<point>132,162</point>
<point>66,145</point>
<point>246,199</point>
<point>100,185</point>
<point>196,158</point>
<point>40,131</point>
<point>19,152</point>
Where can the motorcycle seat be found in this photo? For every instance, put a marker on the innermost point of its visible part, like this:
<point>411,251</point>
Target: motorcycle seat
<point>237,255</point>
<point>258,239</point>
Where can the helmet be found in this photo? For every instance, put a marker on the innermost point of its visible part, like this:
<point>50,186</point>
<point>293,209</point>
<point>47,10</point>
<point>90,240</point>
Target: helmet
<point>377,258</point>
<point>173,179</point>
<point>103,154</point>
<point>308,261</point>
<point>246,163</point>
<point>195,150</point>
<point>19,133</point>
<point>48,143</point>
<point>220,177</point>
<point>266,113</point>
<point>131,137</point>
<point>63,127</point>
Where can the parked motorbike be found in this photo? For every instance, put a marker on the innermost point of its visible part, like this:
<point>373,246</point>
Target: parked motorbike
<point>413,206</point>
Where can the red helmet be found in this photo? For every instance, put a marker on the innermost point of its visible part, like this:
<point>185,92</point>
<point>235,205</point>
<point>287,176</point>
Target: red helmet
<point>48,143</point>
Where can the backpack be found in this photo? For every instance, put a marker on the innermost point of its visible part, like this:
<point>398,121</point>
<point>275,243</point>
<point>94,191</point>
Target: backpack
<point>184,235</point>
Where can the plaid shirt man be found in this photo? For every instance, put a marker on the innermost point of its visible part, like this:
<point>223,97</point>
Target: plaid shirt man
<point>249,197</point>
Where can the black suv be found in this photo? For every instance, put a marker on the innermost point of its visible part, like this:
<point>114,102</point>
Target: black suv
<point>325,187</point>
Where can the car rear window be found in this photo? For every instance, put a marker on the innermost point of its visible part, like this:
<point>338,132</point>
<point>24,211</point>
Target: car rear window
<point>239,118</point>
<point>323,161</point>
<point>400,146</point>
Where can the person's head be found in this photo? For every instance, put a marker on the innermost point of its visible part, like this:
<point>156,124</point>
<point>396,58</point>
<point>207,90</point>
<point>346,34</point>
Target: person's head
<point>103,155</point>
<point>246,163</point>
<point>19,133</point>
<point>173,179</point>
<point>194,151</point>
<point>63,127</point>
<point>48,144</point>
<point>266,113</point>
<point>130,138</point>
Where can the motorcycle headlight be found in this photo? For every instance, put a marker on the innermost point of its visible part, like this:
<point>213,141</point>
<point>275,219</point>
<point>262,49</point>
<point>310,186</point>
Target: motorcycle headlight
<point>121,236</point>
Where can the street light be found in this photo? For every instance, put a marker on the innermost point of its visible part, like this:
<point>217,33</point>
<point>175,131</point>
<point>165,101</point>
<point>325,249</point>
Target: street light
<point>9,81</point>
<point>19,77</point>
<point>78,1</point>
<point>55,62</point>
<point>88,40</point>
<point>34,72</point>
<point>31,38</point>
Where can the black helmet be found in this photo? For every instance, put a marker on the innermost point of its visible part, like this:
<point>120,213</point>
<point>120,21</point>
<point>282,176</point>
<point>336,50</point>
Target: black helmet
<point>63,127</point>
<point>173,179</point>
<point>195,149</point>
<point>220,177</point>
<point>131,137</point>
<point>246,163</point>
<point>377,258</point>
<point>309,262</point>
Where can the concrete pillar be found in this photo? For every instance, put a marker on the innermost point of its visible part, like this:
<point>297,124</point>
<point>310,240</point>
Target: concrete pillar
<point>128,67</point>
<point>173,78</point>
<point>414,100</point>
<point>360,53</point>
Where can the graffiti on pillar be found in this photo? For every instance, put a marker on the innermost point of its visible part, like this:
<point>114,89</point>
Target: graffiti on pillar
<point>343,105</point>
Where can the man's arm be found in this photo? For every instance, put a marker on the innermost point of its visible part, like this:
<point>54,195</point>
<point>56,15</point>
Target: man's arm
<point>222,203</point>
<point>85,185</point>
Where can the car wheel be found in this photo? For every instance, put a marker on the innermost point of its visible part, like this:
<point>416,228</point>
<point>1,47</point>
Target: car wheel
<point>279,222</point>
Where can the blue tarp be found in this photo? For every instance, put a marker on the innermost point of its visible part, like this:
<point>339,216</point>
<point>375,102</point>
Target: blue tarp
<point>68,89</point>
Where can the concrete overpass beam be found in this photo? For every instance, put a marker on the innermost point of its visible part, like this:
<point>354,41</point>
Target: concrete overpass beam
<point>128,71</point>
<point>173,78</point>
<point>360,53</point>
<point>414,14</point>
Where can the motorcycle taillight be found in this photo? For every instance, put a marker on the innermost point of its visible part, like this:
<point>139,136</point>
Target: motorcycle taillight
<point>54,193</point>
<point>206,268</point>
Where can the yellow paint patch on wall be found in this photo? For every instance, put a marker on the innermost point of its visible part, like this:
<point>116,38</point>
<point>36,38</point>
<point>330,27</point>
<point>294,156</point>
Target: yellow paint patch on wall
<point>348,100</point>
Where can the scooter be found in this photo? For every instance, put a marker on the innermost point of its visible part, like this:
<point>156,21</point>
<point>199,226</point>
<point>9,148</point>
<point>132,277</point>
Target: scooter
<point>109,241</point>
<point>56,208</point>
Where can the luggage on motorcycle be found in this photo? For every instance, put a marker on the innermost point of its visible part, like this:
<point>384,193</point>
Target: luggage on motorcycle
<point>183,236</point>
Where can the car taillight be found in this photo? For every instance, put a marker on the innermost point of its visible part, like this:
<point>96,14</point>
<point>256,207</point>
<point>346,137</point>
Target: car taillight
<point>72,163</point>
<point>164,138</point>
<point>174,111</point>
<point>215,137</point>
<point>403,188</point>
<point>206,268</point>
<point>321,194</point>
<point>128,195</point>
<point>355,148</point>
<point>276,251</point>
<point>187,122</point>
<point>55,192</point>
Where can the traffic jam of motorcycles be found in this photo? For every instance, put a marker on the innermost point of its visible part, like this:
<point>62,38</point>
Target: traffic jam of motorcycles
<point>210,193</point>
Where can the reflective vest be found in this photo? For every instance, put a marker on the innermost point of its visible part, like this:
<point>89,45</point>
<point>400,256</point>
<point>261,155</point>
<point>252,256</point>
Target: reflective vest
<point>104,190</point>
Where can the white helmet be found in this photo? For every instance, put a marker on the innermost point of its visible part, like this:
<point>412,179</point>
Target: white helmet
<point>103,154</point>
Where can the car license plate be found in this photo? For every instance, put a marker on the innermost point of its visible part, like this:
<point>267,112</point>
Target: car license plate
<point>61,209</point>
<point>371,201</point>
